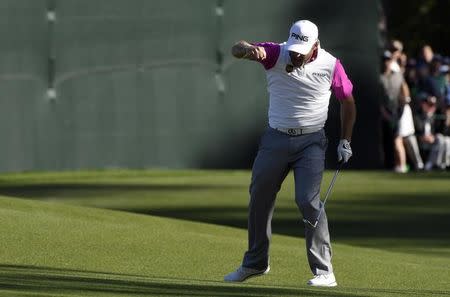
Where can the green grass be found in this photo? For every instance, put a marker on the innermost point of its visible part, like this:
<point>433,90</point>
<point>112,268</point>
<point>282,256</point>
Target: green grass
<point>176,233</point>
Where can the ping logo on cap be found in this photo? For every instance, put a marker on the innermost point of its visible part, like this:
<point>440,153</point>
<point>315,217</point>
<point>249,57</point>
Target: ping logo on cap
<point>298,37</point>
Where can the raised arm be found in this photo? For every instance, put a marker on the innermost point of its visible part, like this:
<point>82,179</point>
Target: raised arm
<point>245,50</point>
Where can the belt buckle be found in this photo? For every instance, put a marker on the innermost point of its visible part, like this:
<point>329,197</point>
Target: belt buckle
<point>292,132</point>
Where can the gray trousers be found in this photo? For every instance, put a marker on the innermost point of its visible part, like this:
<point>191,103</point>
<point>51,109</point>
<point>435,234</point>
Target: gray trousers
<point>277,154</point>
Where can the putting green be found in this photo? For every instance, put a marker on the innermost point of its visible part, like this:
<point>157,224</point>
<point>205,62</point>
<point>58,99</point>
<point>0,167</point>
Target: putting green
<point>187,230</point>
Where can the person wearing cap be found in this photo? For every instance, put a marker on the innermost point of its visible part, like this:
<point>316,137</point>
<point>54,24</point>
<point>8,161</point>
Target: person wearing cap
<point>427,128</point>
<point>301,77</point>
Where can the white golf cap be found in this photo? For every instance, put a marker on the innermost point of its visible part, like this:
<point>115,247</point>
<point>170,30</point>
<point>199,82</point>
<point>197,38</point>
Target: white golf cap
<point>302,36</point>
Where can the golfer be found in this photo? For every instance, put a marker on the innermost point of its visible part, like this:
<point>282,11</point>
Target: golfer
<point>300,78</point>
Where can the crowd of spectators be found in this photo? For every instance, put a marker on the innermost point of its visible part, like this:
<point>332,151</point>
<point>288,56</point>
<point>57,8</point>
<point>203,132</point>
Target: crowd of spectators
<point>415,109</point>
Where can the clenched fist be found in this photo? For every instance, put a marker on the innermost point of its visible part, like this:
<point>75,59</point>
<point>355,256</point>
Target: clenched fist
<point>255,53</point>
<point>245,50</point>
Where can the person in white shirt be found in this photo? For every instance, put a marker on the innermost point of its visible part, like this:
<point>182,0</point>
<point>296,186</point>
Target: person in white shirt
<point>300,79</point>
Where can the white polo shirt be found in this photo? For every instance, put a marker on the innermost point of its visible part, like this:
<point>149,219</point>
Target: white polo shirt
<point>300,99</point>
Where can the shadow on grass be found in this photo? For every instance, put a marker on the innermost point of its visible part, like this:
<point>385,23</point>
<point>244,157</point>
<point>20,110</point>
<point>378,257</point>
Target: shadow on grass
<point>436,175</point>
<point>289,223</point>
<point>399,216</point>
<point>422,221</point>
<point>384,216</point>
<point>63,190</point>
<point>432,229</point>
<point>50,281</point>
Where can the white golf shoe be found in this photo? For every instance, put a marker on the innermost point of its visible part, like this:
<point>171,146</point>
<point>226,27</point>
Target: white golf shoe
<point>243,273</point>
<point>323,280</point>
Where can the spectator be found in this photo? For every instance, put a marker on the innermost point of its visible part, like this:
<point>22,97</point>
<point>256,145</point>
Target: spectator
<point>411,76</point>
<point>430,78</point>
<point>436,83</point>
<point>431,143</point>
<point>416,111</point>
<point>406,123</point>
<point>399,59</point>
<point>426,55</point>
<point>394,126</point>
<point>421,83</point>
<point>445,69</point>
<point>406,132</point>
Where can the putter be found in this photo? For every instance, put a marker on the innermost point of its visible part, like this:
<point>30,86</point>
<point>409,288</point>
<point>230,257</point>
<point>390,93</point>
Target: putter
<point>322,205</point>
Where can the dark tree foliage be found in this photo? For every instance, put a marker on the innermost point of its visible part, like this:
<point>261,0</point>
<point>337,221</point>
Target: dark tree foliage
<point>419,22</point>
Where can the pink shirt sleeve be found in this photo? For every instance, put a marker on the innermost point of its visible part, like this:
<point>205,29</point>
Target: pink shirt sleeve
<point>342,87</point>
<point>272,53</point>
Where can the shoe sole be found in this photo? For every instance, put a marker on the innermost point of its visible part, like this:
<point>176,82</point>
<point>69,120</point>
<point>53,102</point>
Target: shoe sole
<point>327,285</point>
